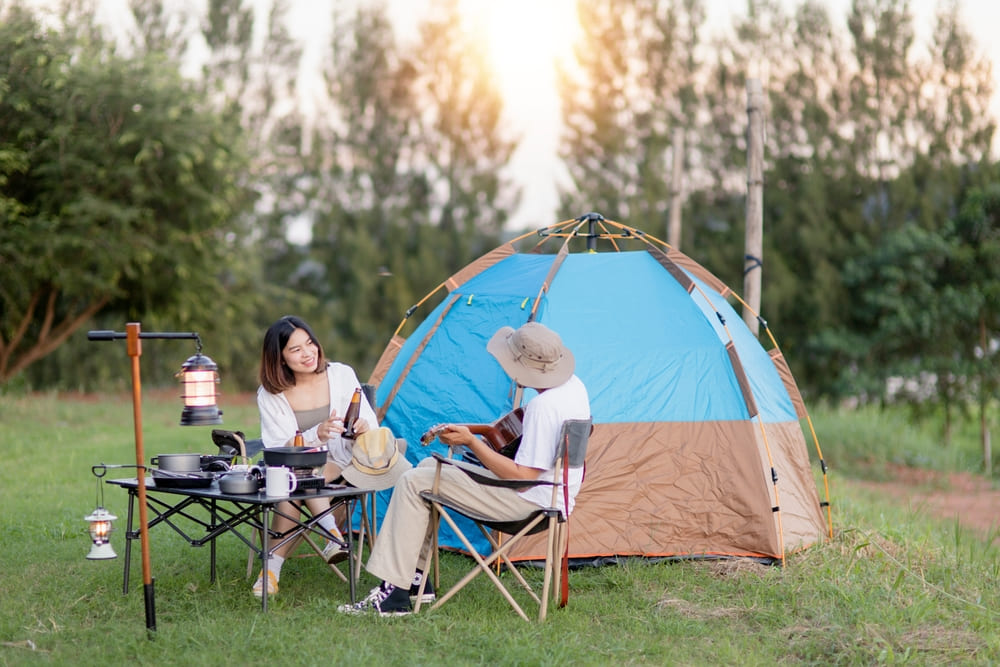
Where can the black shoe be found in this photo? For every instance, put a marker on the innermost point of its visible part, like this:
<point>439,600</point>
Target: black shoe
<point>428,597</point>
<point>385,599</point>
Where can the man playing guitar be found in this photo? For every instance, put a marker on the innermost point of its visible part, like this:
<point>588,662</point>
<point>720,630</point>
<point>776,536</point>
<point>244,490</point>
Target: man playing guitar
<point>533,356</point>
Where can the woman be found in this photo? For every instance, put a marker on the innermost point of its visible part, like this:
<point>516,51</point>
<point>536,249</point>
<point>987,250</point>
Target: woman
<point>302,391</point>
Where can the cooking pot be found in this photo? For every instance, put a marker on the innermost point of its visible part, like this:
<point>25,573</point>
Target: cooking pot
<point>177,462</point>
<point>295,457</point>
<point>239,482</point>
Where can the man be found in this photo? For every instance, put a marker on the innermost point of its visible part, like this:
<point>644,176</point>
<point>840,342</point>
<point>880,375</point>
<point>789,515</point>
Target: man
<point>533,356</point>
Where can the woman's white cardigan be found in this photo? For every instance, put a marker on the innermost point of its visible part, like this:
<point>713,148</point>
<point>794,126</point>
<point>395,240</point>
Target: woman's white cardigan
<point>278,423</point>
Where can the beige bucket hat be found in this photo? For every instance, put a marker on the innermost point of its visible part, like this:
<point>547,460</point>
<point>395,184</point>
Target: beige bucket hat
<point>377,461</point>
<point>533,355</point>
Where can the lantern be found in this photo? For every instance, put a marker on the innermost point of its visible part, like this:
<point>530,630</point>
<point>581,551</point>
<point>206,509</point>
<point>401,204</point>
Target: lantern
<point>199,376</point>
<point>100,534</point>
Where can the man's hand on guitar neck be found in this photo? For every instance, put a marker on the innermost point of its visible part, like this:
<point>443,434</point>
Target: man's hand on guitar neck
<point>456,435</point>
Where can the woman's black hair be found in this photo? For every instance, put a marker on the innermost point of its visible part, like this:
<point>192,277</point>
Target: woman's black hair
<point>275,376</point>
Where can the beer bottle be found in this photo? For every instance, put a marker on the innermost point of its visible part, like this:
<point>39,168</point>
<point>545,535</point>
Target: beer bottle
<point>353,412</point>
<point>299,440</point>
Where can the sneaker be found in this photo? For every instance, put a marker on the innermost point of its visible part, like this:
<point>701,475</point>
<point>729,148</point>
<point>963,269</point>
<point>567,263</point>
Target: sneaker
<point>272,584</point>
<point>428,597</point>
<point>385,599</point>
<point>335,552</point>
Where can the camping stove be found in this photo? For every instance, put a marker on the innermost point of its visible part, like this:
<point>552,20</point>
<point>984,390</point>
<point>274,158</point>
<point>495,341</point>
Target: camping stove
<point>307,479</point>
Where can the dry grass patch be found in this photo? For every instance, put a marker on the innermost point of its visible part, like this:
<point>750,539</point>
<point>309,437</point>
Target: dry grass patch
<point>694,611</point>
<point>735,567</point>
<point>943,641</point>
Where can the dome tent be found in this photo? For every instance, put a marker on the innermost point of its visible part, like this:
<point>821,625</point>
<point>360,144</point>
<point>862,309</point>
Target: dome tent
<point>697,450</point>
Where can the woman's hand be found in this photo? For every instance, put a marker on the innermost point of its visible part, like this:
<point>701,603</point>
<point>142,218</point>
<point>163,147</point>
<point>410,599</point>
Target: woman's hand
<point>360,426</point>
<point>330,428</point>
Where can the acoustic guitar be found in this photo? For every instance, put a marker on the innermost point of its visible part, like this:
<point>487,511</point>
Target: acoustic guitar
<point>503,435</point>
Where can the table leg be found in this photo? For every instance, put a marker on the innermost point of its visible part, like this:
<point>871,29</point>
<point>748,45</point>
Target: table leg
<point>351,578</point>
<point>211,547</point>
<point>128,540</point>
<point>264,547</point>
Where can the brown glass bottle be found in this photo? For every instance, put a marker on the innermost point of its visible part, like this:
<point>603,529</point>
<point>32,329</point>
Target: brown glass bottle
<point>353,412</point>
<point>299,441</point>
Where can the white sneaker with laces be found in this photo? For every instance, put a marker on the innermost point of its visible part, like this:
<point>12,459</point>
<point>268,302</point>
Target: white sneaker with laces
<point>384,599</point>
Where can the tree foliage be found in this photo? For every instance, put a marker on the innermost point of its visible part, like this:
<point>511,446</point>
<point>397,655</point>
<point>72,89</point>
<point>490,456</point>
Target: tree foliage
<point>403,174</point>
<point>634,81</point>
<point>120,192</point>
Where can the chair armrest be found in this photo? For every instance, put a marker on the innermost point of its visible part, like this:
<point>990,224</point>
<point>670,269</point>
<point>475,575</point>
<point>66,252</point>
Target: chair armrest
<point>487,478</point>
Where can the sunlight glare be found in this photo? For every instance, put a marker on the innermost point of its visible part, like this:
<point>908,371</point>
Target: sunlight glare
<point>526,38</point>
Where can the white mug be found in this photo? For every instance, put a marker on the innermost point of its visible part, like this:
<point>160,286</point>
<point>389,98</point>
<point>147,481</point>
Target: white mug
<point>280,482</point>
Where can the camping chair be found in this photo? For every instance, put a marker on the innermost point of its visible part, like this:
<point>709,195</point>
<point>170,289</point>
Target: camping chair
<point>571,452</point>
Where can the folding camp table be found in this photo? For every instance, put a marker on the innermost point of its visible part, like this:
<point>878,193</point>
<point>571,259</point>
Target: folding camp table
<point>227,512</point>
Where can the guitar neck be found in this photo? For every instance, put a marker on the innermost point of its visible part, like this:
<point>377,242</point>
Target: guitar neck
<point>497,435</point>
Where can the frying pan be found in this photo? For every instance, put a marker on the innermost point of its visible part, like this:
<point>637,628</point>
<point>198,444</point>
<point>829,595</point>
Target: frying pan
<point>295,457</point>
<point>183,480</point>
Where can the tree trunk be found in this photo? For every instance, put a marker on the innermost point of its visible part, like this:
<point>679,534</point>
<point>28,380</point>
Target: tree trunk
<point>753,260</point>
<point>984,427</point>
<point>676,188</point>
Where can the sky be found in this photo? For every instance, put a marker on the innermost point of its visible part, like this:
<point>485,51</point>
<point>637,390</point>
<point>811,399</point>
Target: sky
<point>529,36</point>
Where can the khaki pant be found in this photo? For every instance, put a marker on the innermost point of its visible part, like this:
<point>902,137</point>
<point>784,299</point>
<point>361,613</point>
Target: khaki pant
<point>400,544</point>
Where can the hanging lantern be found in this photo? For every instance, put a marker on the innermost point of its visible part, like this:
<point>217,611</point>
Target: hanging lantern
<point>199,376</point>
<point>100,534</point>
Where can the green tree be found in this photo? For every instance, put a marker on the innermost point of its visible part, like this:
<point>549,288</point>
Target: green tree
<point>399,182</point>
<point>120,192</point>
<point>974,280</point>
<point>634,82</point>
<point>463,146</point>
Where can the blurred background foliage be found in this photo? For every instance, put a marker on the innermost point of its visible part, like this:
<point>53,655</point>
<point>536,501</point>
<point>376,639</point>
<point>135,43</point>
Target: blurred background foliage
<point>207,202</point>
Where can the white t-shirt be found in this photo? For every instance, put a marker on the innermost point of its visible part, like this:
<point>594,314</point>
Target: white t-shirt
<point>542,422</point>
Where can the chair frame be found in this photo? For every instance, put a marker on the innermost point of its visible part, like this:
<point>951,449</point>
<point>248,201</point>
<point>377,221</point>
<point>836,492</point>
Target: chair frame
<point>573,440</point>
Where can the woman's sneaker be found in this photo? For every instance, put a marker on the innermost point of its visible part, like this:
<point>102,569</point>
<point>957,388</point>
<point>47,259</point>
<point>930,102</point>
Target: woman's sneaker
<point>335,552</point>
<point>385,599</point>
<point>428,597</point>
<point>272,584</point>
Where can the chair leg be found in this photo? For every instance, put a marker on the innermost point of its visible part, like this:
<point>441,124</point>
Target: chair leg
<point>430,539</point>
<point>559,548</point>
<point>434,550</point>
<point>501,559</point>
<point>483,565</point>
<point>552,547</point>
<point>368,517</point>
<point>319,552</point>
<point>254,536</point>
<point>358,545</point>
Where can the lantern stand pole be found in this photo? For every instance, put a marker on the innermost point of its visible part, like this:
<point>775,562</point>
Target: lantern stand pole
<point>134,347</point>
<point>132,337</point>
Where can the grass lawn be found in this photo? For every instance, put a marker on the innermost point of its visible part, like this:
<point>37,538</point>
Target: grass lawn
<point>892,587</point>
